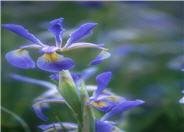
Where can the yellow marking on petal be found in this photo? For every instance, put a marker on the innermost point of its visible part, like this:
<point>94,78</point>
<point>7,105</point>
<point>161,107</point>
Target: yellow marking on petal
<point>113,98</point>
<point>51,57</point>
<point>20,51</point>
<point>64,50</point>
<point>98,103</point>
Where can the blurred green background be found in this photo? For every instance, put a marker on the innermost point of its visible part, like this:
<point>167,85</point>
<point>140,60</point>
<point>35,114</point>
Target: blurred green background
<point>147,46</point>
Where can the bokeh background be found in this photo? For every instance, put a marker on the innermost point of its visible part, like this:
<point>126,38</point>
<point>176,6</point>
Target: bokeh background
<point>147,46</point>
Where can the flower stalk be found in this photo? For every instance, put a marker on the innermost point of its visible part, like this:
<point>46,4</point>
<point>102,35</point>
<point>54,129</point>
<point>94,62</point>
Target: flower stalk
<point>69,92</point>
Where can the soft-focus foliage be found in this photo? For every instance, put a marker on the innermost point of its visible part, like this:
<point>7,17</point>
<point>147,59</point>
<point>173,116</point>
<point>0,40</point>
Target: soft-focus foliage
<point>146,44</point>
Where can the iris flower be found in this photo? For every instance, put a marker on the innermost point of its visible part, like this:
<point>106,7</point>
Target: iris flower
<point>52,60</point>
<point>109,101</point>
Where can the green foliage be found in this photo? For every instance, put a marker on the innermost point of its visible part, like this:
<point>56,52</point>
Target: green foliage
<point>70,94</point>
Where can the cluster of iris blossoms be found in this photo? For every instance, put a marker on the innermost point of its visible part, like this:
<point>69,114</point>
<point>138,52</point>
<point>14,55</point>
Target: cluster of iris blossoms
<point>70,89</point>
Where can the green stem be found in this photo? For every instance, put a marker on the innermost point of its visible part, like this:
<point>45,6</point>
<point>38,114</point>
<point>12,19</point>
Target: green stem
<point>88,115</point>
<point>69,92</point>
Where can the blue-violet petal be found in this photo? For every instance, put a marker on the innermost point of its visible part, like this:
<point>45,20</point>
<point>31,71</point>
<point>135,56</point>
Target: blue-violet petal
<point>103,80</point>
<point>82,31</point>
<point>38,108</point>
<point>22,32</point>
<point>57,28</point>
<point>20,58</point>
<point>99,59</point>
<point>125,105</point>
<point>67,125</point>
<point>54,62</point>
<point>101,126</point>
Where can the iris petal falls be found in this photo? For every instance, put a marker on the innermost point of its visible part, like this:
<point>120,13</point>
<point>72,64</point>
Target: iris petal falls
<point>20,58</point>
<point>54,62</point>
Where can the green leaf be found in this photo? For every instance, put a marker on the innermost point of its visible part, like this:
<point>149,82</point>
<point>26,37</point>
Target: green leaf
<point>70,94</point>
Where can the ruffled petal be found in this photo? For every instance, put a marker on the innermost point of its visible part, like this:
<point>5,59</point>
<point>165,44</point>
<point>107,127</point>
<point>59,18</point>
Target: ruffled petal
<point>57,28</point>
<point>125,105</point>
<point>57,126</point>
<point>22,32</point>
<point>82,31</point>
<point>38,109</point>
<point>103,55</point>
<point>103,80</point>
<point>20,58</point>
<point>101,126</point>
<point>54,62</point>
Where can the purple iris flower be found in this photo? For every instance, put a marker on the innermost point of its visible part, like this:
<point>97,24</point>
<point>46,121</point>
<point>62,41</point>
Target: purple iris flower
<point>108,101</point>
<point>51,60</point>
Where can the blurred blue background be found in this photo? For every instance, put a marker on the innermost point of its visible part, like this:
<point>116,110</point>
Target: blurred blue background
<point>147,45</point>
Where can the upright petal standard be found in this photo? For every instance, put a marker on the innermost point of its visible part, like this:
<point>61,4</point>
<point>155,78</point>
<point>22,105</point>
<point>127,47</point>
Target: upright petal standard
<point>103,80</point>
<point>83,30</point>
<point>57,28</point>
